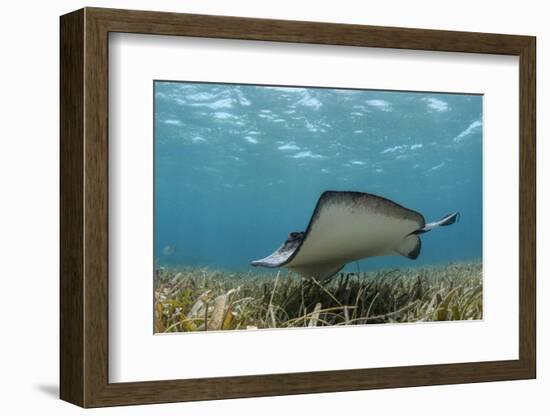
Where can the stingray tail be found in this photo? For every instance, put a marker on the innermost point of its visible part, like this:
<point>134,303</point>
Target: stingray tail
<point>448,219</point>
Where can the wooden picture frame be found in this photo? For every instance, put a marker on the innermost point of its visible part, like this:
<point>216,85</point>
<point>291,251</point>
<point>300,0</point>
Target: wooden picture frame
<point>84,207</point>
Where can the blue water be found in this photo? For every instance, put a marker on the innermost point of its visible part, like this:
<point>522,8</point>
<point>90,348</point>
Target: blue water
<point>238,167</point>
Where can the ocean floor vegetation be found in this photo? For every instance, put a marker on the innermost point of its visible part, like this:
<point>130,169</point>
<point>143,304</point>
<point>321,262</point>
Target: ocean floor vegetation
<point>189,300</point>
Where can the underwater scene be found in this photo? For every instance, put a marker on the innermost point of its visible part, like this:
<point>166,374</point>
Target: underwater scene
<point>285,207</point>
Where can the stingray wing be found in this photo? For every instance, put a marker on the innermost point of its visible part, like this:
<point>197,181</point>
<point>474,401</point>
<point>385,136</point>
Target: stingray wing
<point>347,226</point>
<point>281,256</point>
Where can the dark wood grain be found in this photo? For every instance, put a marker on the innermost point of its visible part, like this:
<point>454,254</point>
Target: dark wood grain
<point>96,219</point>
<point>527,208</point>
<point>162,23</point>
<point>71,100</point>
<point>84,207</point>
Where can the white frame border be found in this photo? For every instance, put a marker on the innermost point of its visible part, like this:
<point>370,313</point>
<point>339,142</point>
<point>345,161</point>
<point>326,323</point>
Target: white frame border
<point>136,355</point>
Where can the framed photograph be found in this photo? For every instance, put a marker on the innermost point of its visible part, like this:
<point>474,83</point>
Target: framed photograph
<point>255,207</point>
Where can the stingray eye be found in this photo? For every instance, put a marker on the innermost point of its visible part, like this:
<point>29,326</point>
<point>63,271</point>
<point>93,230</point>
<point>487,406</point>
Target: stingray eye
<point>295,235</point>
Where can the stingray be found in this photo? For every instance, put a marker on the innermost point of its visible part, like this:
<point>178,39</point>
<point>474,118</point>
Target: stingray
<point>348,226</point>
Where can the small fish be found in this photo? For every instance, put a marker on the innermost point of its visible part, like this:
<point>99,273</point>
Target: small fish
<point>168,250</point>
